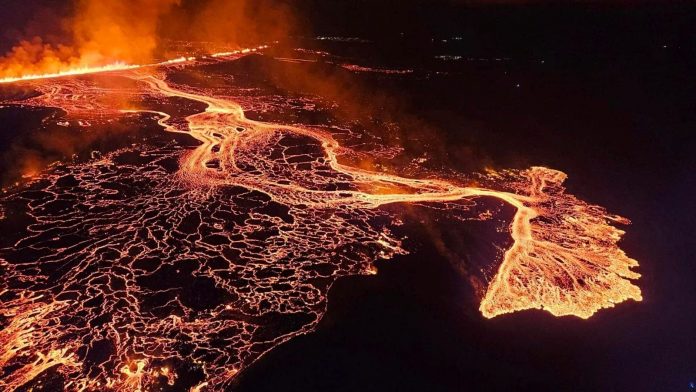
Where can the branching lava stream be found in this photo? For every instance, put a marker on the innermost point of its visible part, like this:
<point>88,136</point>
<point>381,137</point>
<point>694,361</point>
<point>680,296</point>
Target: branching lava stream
<point>152,266</point>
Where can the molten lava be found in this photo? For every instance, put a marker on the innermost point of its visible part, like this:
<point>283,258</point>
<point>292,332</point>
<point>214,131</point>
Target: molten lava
<point>120,66</point>
<point>155,259</point>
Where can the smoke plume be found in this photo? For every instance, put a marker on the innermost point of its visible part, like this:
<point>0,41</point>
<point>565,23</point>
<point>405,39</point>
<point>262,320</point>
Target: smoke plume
<point>102,32</point>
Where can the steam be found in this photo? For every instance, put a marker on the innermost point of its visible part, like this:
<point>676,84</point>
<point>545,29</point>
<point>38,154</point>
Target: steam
<point>101,32</point>
<point>239,23</point>
<point>122,30</point>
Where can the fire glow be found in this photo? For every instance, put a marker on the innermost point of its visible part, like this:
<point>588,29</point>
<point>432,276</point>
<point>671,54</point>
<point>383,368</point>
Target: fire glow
<point>263,216</point>
<point>119,66</point>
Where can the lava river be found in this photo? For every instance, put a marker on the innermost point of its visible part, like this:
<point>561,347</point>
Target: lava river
<point>155,265</point>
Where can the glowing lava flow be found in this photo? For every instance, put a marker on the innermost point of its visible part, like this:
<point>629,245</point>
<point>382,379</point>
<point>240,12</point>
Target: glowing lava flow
<point>71,72</point>
<point>567,262</point>
<point>120,66</point>
<point>156,265</point>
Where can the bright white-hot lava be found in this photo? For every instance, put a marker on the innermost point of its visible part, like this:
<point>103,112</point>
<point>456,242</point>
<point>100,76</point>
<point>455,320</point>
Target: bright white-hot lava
<point>154,265</point>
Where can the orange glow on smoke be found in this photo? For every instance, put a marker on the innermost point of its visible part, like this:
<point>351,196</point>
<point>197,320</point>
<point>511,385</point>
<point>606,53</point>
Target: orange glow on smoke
<point>111,35</point>
<point>101,34</point>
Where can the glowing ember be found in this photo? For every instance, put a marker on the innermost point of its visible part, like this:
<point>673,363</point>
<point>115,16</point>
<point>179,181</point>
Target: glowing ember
<point>156,260</point>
